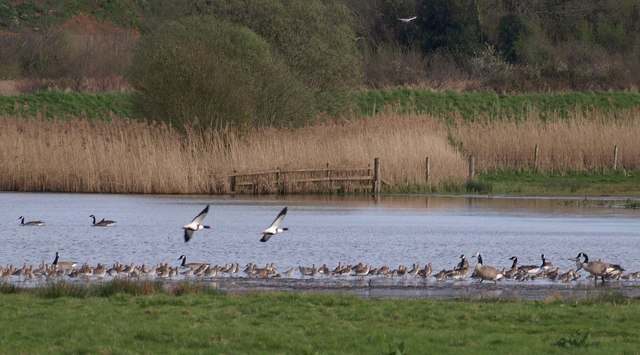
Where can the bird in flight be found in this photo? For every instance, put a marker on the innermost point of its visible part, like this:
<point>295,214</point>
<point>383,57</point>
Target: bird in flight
<point>195,225</point>
<point>407,20</point>
<point>275,228</point>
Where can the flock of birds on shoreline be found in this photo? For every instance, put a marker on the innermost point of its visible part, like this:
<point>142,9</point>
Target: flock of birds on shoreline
<point>462,271</point>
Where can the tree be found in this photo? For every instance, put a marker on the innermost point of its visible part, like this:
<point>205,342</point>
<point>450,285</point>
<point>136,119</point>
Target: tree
<point>203,72</point>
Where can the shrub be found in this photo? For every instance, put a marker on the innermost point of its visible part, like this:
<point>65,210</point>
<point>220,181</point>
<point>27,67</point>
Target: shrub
<point>204,72</point>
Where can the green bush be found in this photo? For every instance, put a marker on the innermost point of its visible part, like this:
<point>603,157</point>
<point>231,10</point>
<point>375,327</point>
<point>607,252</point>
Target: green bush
<point>203,72</point>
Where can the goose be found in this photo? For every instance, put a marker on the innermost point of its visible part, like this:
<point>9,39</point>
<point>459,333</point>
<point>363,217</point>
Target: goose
<point>30,223</point>
<point>486,272</point>
<point>408,19</point>
<point>597,268</point>
<point>546,265</point>
<point>195,225</point>
<point>275,228</point>
<point>530,269</point>
<point>192,265</point>
<point>509,274</point>
<point>463,264</point>
<point>63,264</point>
<point>103,222</point>
<point>459,274</point>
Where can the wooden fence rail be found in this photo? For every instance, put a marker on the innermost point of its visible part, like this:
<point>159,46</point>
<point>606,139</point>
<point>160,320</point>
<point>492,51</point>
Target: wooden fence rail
<point>308,180</point>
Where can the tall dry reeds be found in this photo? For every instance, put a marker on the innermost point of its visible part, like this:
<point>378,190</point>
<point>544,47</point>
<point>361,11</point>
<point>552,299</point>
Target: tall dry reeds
<point>583,142</point>
<point>133,157</point>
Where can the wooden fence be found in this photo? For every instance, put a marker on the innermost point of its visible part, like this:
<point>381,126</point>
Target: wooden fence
<point>309,180</point>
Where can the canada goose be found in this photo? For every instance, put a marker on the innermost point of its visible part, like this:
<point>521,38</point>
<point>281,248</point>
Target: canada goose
<point>195,225</point>
<point>597,268</point>
<point>275,228</point>
<point>463,264</point>
<point>407,20</point>
<point>30,223</point>
<point>189,265</point>
<point>486,272</point>
<point>509,274</point>
<point>459,274</point>
<point>546,265</point>
<point>103,222</point>
<point>63,265</point>
<point>530,269</point>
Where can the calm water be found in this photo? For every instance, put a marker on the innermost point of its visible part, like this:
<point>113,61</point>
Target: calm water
<point>390,230</point>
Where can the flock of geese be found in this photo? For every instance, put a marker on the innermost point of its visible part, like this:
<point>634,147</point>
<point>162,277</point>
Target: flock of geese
<point>202,270</point>
<point>462,271</point>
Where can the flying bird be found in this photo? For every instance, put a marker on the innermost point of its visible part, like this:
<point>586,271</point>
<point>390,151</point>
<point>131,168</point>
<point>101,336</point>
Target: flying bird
<point>407,20</point>
<point>275,228</point>
<point>195,225</point>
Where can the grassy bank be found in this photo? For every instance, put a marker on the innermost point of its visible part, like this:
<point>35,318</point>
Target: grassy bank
<point>198,322</point>
<point>470,106</point>
<point>489,106</point>
<point>605,183</point>
<point>56,105</point>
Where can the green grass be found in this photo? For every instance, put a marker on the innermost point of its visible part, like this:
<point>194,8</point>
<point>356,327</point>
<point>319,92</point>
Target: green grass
<point>608,183</point>
<point>472,106</point>
<point>303,323</point>
<point>55,105</point>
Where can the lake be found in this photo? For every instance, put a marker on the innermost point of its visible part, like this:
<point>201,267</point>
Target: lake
<point>388,230</point>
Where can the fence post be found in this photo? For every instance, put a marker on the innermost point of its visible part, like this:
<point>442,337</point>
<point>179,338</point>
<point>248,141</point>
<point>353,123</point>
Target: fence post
<point>472,167</point>
<point>426,170</point>
<point>232,182</point>
<point>615,157</point>
<point>376,175</point>
<point>535,158</point>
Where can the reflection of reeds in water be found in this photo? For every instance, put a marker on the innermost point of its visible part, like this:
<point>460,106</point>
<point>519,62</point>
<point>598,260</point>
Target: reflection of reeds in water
<point>584,142</point>
<point>133,157</point>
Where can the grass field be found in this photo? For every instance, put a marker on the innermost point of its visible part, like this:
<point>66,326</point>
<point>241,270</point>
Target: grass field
<point>470,106</point>
<point>488,106</point>
<point>60,105</point>
<point>606,183</point>
<point>208,322</point>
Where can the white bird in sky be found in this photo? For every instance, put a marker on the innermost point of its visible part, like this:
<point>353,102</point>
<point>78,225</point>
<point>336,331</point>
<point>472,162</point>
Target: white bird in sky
<point>195,225</point>
<point>275,228</point>
<point>407,20</point>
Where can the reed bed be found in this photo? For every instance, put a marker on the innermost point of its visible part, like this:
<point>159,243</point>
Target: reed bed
<point>123,156</point>
<point>584,142</point>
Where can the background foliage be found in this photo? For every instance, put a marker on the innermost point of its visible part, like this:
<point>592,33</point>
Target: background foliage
<point>315,50</point>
